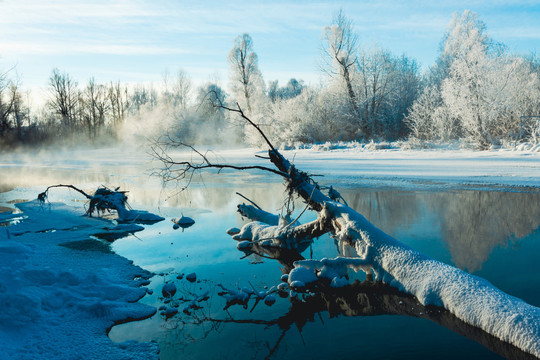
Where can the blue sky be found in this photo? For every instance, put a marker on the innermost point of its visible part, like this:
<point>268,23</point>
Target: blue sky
<point>138,40</point>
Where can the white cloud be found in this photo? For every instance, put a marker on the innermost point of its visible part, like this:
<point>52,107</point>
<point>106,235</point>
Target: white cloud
<point>57,48</point>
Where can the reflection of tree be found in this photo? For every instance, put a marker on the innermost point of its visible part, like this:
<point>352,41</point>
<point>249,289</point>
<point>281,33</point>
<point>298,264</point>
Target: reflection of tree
<point>286,257</point>
<point>364,299</point>
<point>473,223</point>
<point>388,209</point>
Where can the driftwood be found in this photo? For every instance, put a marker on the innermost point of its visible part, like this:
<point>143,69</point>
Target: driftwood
<point>107,200</point>
<point>379,255</point>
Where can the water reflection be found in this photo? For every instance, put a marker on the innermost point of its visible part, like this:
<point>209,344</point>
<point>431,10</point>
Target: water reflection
<point>474,223</point>
<point>366,298</point>
<point>471,223</point>
<point>471,229</point>
<point>271,333</point>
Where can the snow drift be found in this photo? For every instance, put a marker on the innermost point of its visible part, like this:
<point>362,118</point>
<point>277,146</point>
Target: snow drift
<point>57,302</point>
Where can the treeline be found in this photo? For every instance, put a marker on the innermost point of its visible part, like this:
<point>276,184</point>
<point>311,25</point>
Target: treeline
<point>476,91</point>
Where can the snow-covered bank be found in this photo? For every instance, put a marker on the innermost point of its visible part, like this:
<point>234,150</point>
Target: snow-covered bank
<point>61,290</point>
<point>430,169</point>
<point>422,169</point>
<point>359,166</point>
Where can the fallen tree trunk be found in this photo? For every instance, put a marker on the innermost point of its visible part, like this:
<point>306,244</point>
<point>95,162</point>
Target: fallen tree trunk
<point>472,299</point>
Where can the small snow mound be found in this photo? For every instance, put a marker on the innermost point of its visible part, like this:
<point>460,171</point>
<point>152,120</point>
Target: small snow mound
<point>233,231</point>
<point>303,275</point>
<point>269,300</point>
<point>283,287</point>
<point>184,222</point>
<point>244,245</point>
<point>297,284</point>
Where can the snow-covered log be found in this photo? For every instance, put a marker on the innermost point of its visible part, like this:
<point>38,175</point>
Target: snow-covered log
<point>470,298</point>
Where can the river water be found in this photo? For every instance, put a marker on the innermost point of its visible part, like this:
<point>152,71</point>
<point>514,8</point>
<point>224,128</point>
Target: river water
<point>492,234</point>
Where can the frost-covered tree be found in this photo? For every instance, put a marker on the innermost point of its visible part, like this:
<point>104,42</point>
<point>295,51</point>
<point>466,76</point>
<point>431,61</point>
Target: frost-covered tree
<point>339,57</point>
<point>477,90</point>
<point>177,89</point>
<point>486,88</point>
<point>315,115</point>
<point>8,95</point>
<point>379,86</point>
<point>118,102</point>
<point>292,89</point>
<point>468,91</point>
<point>386,86</point>
<point>245,77</point>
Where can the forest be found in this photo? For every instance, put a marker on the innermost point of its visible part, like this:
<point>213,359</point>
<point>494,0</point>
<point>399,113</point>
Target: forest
<point>477,93</point>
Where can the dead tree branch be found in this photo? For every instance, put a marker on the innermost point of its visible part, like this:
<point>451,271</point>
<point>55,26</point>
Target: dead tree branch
<point>174,170</point>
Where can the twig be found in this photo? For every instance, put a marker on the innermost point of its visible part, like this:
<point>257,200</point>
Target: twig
<point>43,196</point>
<point>257,206</point>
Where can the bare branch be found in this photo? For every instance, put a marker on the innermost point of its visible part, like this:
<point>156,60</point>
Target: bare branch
<point>184,170</point>
<point>257,206</point>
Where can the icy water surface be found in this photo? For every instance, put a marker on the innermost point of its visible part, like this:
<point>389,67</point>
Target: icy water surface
<point>491,234</point>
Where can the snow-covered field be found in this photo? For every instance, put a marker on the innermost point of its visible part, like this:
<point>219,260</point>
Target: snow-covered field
<point>406,169</point>
<point>424,169</point>
<point>58,303</point>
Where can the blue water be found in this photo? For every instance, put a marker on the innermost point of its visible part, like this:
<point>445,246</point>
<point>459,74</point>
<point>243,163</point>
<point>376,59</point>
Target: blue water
<point>491,234</point>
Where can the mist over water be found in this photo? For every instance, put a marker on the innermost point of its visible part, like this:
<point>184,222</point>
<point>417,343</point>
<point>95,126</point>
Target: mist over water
<point>483,232</point>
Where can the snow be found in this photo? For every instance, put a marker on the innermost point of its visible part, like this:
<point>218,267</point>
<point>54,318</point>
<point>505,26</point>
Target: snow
<point>423,169</point>
<point>339,282</point>
<point>301,275</point>
<point>270,300</point>
<point>184,221</point>
<point>58,303</point>
<point>244,245</point>
<point>472,299</point>
<point>399,167</point>
<point>233,231</point>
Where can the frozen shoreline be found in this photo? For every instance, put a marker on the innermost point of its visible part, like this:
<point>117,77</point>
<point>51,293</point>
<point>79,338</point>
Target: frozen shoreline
<point>56,289</point>
<point>355,166</point>
<point>406,169</point>
<point>60,292</point>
